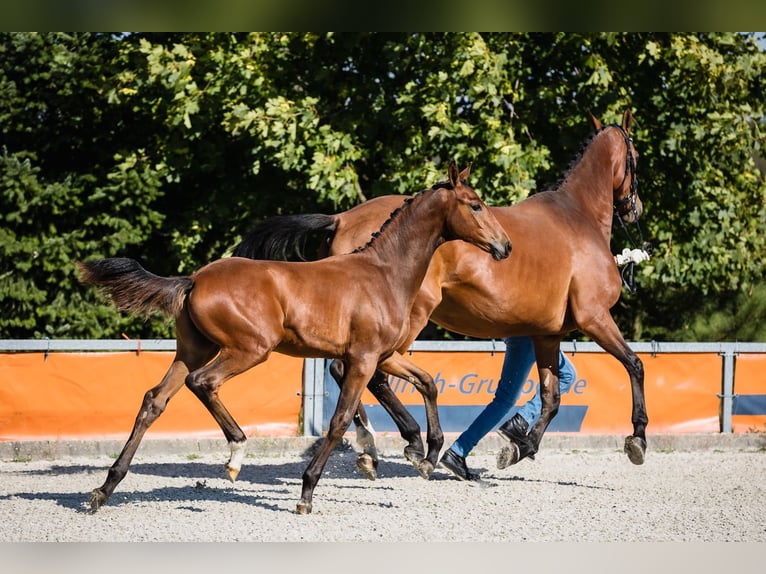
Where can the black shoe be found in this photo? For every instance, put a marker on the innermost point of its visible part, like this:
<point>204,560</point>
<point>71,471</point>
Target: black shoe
<point>457,466</point>
<point>515,430</point>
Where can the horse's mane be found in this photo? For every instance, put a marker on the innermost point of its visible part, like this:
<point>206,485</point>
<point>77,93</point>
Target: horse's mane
<point>572,164</point>
<point>396,212</point>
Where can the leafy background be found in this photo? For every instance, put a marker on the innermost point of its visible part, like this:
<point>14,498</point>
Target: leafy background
<point>167,147</point>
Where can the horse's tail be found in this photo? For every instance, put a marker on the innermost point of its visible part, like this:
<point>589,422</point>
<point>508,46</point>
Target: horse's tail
<point>132,288</point>
<point>284,237</point>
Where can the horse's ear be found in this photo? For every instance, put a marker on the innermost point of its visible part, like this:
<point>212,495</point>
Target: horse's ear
<point>452,173</point>
<point>594,121</point>
<point>627,121</point>
<point>465,173</point>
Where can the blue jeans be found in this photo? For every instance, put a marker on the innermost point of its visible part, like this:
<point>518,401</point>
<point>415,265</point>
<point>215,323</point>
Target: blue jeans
<point>519,359</point>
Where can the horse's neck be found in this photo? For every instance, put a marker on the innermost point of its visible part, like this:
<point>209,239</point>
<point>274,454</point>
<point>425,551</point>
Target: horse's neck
<point>409,240</point>
<point>590,183</point>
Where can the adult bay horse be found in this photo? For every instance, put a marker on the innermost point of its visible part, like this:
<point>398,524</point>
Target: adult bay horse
<point>232,313</point>
<point>561,277</point>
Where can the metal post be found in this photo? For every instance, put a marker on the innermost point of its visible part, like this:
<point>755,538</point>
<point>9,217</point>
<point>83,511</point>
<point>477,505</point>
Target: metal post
<point>313,395</point>
<point>727,398</point>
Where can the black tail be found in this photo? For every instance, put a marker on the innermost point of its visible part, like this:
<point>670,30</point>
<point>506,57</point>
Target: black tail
<point>132,288</point>
<point>284,237</point>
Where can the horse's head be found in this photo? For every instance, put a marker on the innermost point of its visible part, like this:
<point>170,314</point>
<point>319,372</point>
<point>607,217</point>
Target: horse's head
<point>470,219</point>
<point>627,203</point>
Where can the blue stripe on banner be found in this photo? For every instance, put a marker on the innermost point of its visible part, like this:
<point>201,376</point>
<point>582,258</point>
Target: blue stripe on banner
<point>749,405</point>
<point>457,418</point>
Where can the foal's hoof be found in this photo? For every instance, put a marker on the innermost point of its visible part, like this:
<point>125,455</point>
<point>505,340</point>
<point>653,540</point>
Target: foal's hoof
<point>635,448</point>
<point>366,465</point>
<point>97,500</point>
<point>303,508</point>
<point>508,455</point>
<point>425,469</point>
<point>232,473</point>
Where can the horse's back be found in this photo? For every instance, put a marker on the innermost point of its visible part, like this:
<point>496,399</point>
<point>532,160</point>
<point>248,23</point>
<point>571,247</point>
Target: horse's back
<point>356,226</point>
<point>530,292</point>
<point>295,305</point>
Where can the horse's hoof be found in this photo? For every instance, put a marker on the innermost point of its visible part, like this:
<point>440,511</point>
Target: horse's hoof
<point>508,455</point>
<point>97,500</point>
<point>366,465</point>
<point>303,508</point>
<point>425,469</point>
<point>413,455</point>
<point>635,448</point>
<point>232,473</point>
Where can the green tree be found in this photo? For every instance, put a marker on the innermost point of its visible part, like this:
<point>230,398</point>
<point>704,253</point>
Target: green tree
<point>166,147</point>
<point>73,183</point>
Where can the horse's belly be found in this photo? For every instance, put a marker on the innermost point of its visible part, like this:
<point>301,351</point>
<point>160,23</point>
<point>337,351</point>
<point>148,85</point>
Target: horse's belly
<point>493,320</point>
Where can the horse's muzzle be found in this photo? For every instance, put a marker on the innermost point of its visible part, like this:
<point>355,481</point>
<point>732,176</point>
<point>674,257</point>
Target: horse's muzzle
<point>500,250</point>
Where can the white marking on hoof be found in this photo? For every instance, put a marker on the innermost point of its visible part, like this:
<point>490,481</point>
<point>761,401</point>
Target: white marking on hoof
<point>235,460</point>
<point>365,438</point>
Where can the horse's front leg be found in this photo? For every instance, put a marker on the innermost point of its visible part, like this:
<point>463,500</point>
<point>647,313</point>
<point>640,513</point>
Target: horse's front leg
<point>357,374</point>
<point>398,366</point>
<point>367,460</point>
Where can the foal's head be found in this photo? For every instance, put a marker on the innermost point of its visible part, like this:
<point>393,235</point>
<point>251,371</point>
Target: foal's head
<point>470,219</point>
<point>627,203</point>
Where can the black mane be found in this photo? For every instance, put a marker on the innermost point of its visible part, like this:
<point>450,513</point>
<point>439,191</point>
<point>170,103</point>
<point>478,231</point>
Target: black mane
<point>395,213</point>
<point>572,164</point>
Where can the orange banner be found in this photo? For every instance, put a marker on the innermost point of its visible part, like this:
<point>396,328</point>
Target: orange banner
<point>681,391</point>
<point>749,409</point>
<point>98,395</point>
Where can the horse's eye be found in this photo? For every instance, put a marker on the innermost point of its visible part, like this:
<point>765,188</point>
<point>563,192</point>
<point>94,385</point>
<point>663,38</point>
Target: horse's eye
<point>476,207</point>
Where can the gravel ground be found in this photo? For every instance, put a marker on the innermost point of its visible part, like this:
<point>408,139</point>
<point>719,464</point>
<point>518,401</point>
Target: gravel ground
<point>566,495</point>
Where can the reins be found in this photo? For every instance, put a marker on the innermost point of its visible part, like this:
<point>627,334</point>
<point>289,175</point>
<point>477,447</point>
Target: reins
<point>641,249</point>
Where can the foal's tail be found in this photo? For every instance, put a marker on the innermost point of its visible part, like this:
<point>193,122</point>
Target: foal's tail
<point>132,288</point>
<point>282,237</point>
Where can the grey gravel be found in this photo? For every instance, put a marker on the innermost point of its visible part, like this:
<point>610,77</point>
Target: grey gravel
<point>592,495</point>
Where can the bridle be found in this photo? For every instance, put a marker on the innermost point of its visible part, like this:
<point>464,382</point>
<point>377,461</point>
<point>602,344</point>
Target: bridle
<point>630,201</point>
<point>630,170</point>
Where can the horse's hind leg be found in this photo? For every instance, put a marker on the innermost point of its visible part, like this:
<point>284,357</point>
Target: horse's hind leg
<point>409,429</point>
<point>398,366</point>
<point>188,356</point>
<point>547,358</point>
<point>206,381</point>
<point>154,403</point>
<point>608,336</point>
<point>367,461</point>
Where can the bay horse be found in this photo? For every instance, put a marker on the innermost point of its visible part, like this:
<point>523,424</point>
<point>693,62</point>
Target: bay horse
<point>562,277</point>
<point>232,313</point>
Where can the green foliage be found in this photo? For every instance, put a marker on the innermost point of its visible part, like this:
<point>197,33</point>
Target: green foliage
<point>166,147</point>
